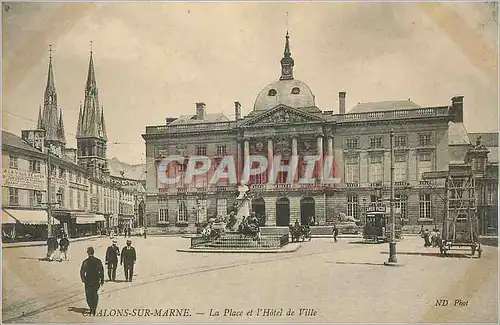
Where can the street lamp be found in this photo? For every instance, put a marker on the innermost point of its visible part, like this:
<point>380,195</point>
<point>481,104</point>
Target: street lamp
<point>392,244</point>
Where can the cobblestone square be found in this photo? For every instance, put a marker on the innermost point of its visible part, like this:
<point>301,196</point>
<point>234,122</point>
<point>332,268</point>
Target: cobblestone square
<point>320,282</point>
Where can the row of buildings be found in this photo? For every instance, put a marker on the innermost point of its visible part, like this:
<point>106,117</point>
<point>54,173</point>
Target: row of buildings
<point>286,121</point>
<point>39,172</point>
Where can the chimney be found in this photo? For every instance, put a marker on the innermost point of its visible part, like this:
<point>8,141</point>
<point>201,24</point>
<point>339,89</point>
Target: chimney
<point>457,109</point>
<point>200,111</point>
<point>342,102</point>
<point>237,111</point>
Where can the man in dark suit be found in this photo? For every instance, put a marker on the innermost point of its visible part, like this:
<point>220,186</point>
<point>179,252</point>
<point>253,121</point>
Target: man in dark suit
<point>112,254</point>
<point>128,260</point>
<point>92,274</point>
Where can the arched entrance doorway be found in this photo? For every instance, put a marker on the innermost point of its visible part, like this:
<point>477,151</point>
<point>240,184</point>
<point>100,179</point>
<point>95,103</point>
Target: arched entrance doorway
<point>283,212</point>
<point>307,210</point>
<point>259,207</point>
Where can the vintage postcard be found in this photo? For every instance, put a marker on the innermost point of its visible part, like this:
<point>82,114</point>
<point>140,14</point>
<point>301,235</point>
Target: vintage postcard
<point>250,162</point>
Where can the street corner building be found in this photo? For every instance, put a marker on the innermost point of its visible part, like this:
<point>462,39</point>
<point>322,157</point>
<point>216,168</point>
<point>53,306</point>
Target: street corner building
<point>285,121</point>
<point>48,187</point>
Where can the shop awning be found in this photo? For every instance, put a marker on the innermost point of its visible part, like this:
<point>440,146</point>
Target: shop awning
<point>30,217</point>
<point>83,219</point>
<point>7,219</point>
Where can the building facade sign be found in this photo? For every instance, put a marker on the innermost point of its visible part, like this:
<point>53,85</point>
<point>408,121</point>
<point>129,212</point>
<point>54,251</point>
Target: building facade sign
<point>376,209</point>
<point>23,179</point>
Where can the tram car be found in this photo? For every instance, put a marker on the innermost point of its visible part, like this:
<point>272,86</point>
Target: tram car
<point>378,226</point>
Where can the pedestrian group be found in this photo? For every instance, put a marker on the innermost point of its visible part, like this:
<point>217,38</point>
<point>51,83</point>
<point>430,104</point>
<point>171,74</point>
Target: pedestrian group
<point>92,270</point>
<point>57,250</point>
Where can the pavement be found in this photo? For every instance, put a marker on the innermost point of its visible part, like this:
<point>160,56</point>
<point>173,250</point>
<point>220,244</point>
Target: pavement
<point>43,242</point>
<point>322,282</point>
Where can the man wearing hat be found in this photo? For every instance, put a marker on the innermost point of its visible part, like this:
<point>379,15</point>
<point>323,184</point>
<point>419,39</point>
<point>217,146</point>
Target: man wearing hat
<point>112,254</point>
<point>128,258</point>
<point>92,274</point>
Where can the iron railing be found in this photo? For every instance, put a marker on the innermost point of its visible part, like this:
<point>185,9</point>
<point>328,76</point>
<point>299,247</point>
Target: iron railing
<point>235,241</point>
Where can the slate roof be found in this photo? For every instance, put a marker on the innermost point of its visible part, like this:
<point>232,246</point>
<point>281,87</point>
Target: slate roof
<point>209,118</point>
<point>383,106</point>
<point>488,139</point>
<point>10,139</point>
<point>135,172</point>
<point>457,134</point>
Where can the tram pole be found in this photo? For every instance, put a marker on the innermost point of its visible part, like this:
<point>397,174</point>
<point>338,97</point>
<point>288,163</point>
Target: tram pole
<point>392,244</point>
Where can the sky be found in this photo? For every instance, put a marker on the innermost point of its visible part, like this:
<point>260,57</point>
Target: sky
<point>156,60</point>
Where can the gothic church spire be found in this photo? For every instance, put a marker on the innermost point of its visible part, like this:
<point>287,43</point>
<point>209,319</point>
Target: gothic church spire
<point>50,121</point>
<point>91,118</point>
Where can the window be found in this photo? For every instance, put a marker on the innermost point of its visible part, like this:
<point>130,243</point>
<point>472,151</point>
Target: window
<point>79,178</point>
<point>71,199</point>
<point>53,171</point>
<point>34,166</point>
<point>400,141</point>
<point>61,204</point>
<point>201,212</point>
<point>295,90</point>
<point>376,169</point>
<point>260,176</point>
<point>492,194</point>
<point>33,201</point>
<point>352,143</point>
<point>182,213</point>
<point>271,92</point>
<point>424,165</point>
<point>201,150</point>
<point>79,199</point>
<point>85,201</point>
<point>13,196</point>
<point>52,193</point>
<point>221,150</point>
<point>424,139</point>
<point>13,162</point>
<point>352,206</point>
<point>221,207</point>
<point>283,174</point>
<point>376,142</point>
<point>400,168</point>
<point>425,206</point>
<point>351,170</point>
<point>401,205</point>
<point>163,215</point>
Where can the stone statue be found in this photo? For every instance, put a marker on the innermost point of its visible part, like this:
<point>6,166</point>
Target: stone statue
<point>342,217</point>
<point>478,141</point>
<point>243,201</point>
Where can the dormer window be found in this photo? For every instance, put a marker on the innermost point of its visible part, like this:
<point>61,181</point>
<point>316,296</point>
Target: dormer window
<point>272,92</point>
<point>295,90</point>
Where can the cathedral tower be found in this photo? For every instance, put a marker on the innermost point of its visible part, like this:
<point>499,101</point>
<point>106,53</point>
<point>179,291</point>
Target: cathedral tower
<point>51,119</point>
<point>91,137</point>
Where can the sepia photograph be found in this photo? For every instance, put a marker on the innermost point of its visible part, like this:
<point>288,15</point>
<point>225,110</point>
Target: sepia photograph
<point>250,162</point>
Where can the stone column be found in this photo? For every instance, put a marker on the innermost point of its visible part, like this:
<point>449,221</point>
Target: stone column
<point>320,154</point>
<point>295,159</point>
<point>246,153</point>
<point>238,160</point>
<point>330,146</point>
<point>329,149</point>
<point>270,159</point>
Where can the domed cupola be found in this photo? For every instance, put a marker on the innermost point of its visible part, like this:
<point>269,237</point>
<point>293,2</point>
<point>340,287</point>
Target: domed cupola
<point>287,90</point>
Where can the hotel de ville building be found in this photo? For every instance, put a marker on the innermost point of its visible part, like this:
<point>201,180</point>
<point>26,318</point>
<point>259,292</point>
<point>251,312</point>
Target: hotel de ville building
<point>285,121</point>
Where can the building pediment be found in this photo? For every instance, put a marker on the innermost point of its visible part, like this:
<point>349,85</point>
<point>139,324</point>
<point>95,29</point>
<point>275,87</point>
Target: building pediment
<point>281,115</point>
